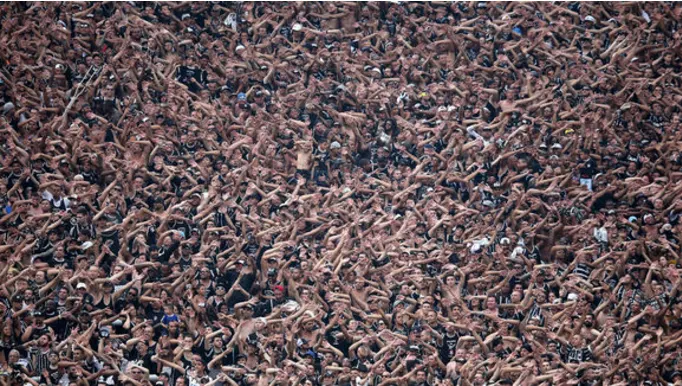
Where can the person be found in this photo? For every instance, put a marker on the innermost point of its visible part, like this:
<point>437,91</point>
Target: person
<point>313,193</point>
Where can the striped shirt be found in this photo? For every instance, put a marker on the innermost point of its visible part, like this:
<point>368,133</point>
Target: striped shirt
<point>536,313</point>
<point>39,359</point>
<point>583,271</point>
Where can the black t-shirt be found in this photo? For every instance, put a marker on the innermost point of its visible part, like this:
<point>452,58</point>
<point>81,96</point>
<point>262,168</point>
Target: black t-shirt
<point>186,74</point>
<point>77,229</point>
<point>251,249</point>
<point>578,355</point>
<point>588,168</point>
<point>154,315</point>
<point>185,262</point>
<point>265,308</point>
<point>230,277</point>
<point>447,349</point>
<point>145,361</point>
<point>103,106</point>
<point>39,331</point>
<point>66,262</point>
<point>42,246</point>
<point>59,326</point>
<point>165,253</point>
<point>338,340</point>
<point>53,375</point>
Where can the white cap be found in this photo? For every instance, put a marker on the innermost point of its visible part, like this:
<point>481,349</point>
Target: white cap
<point>290,306</point>
<point>297,27</point>
<point>590,18</point>
<point>239,48</point>
<point>81,285</point>
<point>7,107</point>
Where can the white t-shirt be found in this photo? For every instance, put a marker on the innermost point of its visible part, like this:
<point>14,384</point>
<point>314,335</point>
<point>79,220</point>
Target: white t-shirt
<point>56,202</point>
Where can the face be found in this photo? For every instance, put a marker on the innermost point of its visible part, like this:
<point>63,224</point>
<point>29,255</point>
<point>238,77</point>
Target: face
<point>78,355</point>
<point>43,340</point>
<point>576,341</point>
<point>188,341</point>
<point>136,373</point>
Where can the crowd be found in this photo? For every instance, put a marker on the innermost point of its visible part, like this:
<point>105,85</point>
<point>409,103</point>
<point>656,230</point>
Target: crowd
<point>349,194</point>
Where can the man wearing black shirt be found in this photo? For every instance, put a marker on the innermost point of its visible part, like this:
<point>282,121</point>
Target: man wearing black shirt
<point>576,352</point>
<point>587,169</point>
<point>191,76</point>
<point>52,373</point>
<point>450,339</point>
<point>265,308</point>
<point>37,329</point>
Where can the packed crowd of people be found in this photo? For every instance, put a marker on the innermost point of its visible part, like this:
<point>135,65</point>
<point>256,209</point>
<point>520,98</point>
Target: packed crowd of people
<point>349,194</point>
